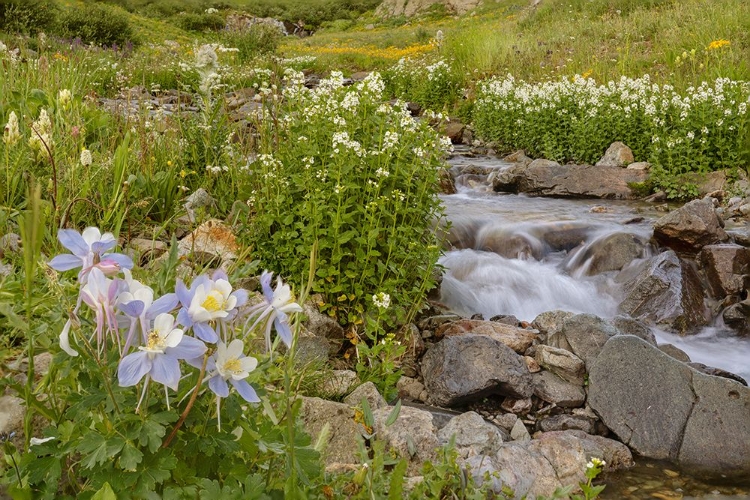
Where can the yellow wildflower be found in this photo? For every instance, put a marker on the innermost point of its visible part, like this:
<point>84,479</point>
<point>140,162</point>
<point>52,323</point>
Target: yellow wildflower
<point>717,44</point>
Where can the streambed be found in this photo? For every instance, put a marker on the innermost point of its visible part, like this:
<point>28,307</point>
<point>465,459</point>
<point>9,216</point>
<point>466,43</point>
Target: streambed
<point>518,255</point>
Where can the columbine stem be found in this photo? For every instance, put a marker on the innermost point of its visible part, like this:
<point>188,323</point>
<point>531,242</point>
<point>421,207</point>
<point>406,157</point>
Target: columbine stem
<point>190,403</point>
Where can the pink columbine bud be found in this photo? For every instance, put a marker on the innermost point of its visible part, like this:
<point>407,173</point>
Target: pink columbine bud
<point>108,267</point>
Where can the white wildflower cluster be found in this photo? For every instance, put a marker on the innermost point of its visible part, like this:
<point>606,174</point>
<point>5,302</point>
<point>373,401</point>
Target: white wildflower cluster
<point>342,142</point>
<point>381,300</point>
<point>215,170</point>
<point>63,97</point>
<point>390,140</point>
<point>648,117</point>
<point>297,61</point>
<point>212,10</point>
<point>11,132</point>
<point>41,134</point>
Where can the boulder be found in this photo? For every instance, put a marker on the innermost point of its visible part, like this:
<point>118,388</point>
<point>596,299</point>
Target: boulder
<point>199,199</point>
<point>545,178</point>
<point>550,323</point>
<point>368,392</point>
<point>617,155</point>
<point>716,372</point>
<point>411,388</point>
<point>717,435</point>
<point>552,389</point>
<point>540,466</point>
<point>466,367</point>
<point>518,157</point>
<point>516,338</point>
<point>610,252</point>
<point>666,292</point>
<point>319,324</point>
<point>690,227</point>
<point>675,352</point>
<point>562,363</point>
<point>519,432</point>
<point>642,395</point>
<point>454,131</point>
<point>737,317</point>
<point>662,408</point>
<point>411,436</point>
<point>725,267</point>
<point>473,435</point>
<point>212,240</point>
<point>586,334</point>
<point>343,431</point>
<point>408,8</point>
<point>630,326</point>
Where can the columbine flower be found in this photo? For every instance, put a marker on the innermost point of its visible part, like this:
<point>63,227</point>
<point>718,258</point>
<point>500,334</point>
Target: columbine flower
<point>276,307</point>
<point>11,133</point>
<point>381,300</point>
<point>86,158</point>
<point>208,301</point>
<point>88,251</point>
<point>159,358</point>
<point>229,364</point>
<point>138,303</point>
<point>100,294</point>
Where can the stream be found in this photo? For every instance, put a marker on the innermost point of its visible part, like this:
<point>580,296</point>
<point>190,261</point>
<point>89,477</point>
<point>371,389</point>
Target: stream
<point>520,255</point>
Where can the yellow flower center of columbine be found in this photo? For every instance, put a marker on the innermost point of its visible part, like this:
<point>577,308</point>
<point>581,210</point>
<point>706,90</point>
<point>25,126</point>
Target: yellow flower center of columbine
<point>154,341</point>
<point>233,365</point>
<point>211,304</point>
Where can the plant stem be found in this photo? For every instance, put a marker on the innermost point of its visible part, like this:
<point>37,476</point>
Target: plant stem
<point>189,406</point>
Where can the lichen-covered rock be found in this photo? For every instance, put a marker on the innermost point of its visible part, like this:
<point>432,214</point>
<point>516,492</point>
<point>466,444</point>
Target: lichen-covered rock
<point>472,434</point>
<point>516,338</point>
<point>562,363</point>
<point>617,155</point>
<point>411,436</point>
<point>369,392</point>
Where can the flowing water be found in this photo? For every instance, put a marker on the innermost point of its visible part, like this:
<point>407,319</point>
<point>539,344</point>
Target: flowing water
<point>519,255</point>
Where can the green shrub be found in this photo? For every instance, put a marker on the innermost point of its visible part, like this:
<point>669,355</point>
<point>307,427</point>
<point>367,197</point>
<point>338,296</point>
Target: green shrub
<point>357,179</point>
<point>256,40</point>
<point>97,24</point>
<point>27,16</point>
<point>199,22</point>
<point>434,86</point>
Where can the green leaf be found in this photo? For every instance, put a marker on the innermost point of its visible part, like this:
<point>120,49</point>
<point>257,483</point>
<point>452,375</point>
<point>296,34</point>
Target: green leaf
<point>96,449</point>
<point>367,412</point>
<point>396,491</point>
<point>130,457</point>
<point>151,435</point>
<point>393,415</point>
<point>104,493</point>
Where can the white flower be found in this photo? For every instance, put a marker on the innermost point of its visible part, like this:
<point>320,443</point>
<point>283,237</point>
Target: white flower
<point>381,300</point>
<point>232,363</point>
<point>63,97</point>
<point>11,133</point>
<point>86,159</point>
<point>212,300</point>
<point>163,335</point>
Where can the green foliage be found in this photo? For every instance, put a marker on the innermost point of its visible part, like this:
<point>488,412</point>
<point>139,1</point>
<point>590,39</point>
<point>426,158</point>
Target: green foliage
<point>434,85</point>
<point>97,24</point>
<point>199,22</point>
<point>27,16</point>
<point>339,168</point>
<point>697,131</point>
<point>313,13</point>
<point>252,42</point>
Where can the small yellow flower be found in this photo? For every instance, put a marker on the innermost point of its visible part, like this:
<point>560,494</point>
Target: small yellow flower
<point>183,173</point>
<point>717,44</point>
<point>169,163</point>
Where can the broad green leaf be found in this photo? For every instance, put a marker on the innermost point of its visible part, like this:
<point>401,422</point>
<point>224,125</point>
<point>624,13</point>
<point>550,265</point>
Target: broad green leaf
<point>104,493</point>
<point>393,415</point>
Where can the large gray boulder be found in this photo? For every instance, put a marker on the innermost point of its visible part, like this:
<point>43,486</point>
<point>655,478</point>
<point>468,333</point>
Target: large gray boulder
<point>690,227</point>
<point>540,466</point>
<point>552,389</point>
<point>561,362</point>
<point>666,292</point>
<point>343,433</point>
<point>467,367</point>
<point>575,181</point>
<point>662,408</point>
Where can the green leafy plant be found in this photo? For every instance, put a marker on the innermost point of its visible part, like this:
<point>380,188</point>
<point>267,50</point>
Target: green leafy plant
<point>339,168</point>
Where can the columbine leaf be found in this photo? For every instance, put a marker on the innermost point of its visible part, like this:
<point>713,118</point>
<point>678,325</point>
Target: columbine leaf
<point>104,493</point>
<point>96,449</point>
<point>151,435</point>
<point>130,457</point>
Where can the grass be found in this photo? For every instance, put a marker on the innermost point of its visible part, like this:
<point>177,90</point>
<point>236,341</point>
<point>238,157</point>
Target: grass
<point>603,39</point>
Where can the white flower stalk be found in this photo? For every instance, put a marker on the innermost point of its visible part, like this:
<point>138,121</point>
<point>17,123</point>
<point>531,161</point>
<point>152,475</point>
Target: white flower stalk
<point>41,134</point>
<point>64,97</point>
<point>86,158</point>
<point>11,132</point>
<point>381,300</point>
